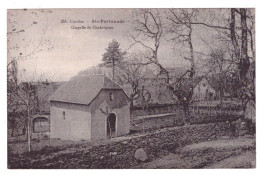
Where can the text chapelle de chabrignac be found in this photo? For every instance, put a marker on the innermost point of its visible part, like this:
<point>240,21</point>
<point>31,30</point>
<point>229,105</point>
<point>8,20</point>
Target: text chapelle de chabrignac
<point>105,24</point>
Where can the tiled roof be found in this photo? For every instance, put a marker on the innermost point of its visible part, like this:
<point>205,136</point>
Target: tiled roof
<point>83,89</point>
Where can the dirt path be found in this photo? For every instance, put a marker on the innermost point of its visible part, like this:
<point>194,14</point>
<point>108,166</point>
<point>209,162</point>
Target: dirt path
<point>224,153</point>
<point>244,160</point>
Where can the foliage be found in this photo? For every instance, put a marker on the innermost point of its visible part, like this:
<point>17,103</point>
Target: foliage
<point>113,56</point>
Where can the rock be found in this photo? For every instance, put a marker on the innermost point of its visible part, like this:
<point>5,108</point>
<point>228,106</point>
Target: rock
<point>243,125</point>
<point>225,137</point>
<point>113,153</point>
<point>124,142</point>
<point>140,154</point>
<point>102,157</point>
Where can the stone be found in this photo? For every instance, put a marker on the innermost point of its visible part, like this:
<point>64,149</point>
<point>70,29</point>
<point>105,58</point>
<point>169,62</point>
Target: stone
<point>140,154</point>
<point>124,142</point>
<point>113,153</point>
<point>225,137</point>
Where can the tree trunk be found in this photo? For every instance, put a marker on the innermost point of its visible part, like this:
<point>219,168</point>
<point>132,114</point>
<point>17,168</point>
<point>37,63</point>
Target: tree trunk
<point>244,60</point>
<point>192,61</point>
<point>143,116</point>
<point>221,101</point>
<point>233,34</point>
<point>191,55</point>
<point>28,129</point>
<point>113,69</point>
<point>186,113</point>
<point>131,104</point>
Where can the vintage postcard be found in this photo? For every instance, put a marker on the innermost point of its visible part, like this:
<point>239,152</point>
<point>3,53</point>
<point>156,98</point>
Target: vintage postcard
<point>131,88</point>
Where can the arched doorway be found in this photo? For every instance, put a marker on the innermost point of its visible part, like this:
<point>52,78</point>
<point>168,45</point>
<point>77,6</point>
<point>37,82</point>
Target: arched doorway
<point>111,125</point>
<point>40,125</point>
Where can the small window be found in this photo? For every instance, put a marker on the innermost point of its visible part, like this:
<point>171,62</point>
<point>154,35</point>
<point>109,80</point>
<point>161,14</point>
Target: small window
<point>111,96</point>
<point>64,115</point>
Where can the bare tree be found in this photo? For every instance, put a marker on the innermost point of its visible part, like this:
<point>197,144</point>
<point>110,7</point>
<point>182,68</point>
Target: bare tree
<point>27,100</point>
<point>23,45</point>
<point>149,26</point>
<point>181,30</point>
<point>12,104</point>
<point>178,24</point>
<point>131,73</point>
<point>220,72</point>
<point>234,34</point>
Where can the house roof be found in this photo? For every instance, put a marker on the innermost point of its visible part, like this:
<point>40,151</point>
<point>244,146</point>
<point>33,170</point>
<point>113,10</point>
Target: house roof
<point>83,89</point>
<point>44,92</point>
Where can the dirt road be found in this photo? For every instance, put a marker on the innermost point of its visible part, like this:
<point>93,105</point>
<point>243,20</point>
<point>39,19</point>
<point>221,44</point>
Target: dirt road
<point>224,153</point>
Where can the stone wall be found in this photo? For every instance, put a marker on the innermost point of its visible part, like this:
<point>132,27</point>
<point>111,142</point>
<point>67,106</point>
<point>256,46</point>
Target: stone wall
<point>154,109</point>
<point>120,153</point>
<point>156,144</point>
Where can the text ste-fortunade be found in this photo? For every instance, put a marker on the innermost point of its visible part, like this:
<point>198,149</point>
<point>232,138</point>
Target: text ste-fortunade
<point>102,21</point>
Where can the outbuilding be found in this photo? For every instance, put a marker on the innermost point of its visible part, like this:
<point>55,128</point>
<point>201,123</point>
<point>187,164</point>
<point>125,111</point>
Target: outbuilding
<point>91,107</point>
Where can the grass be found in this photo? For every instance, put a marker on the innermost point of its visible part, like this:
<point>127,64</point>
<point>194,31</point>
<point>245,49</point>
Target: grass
<point>44,146</point>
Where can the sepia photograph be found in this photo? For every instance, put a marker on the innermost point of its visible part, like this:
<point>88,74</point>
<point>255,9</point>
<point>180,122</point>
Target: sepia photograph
<point>131,88</point>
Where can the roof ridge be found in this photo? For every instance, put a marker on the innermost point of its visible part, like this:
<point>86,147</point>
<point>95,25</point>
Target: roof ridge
<point>88,75</point>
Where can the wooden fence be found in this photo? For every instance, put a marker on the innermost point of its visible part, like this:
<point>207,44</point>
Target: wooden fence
<point>209,110</point>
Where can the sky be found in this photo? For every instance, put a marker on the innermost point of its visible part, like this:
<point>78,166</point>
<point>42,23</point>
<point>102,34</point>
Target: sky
<point>65,51</point>
<point>71,50</point>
